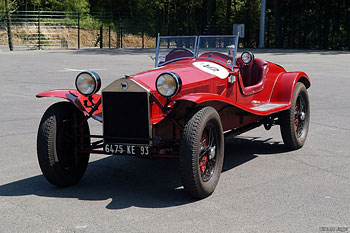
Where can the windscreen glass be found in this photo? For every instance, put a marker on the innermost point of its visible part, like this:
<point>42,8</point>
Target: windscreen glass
<point>219,48</point>
<point>172,48</point>
<point>222,49</point>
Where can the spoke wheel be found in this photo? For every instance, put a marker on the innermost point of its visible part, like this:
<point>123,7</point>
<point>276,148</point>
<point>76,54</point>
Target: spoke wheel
<point>294,123</point>
<point>202,152</point>
<point>300,116</point>
<point>207,157</point>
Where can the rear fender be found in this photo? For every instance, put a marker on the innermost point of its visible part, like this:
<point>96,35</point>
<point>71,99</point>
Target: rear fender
<point>284,87</point>
<point>77,100</point>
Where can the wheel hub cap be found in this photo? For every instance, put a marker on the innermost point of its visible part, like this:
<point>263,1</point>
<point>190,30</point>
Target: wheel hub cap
<point>300,116</point>
<point>212,152</point>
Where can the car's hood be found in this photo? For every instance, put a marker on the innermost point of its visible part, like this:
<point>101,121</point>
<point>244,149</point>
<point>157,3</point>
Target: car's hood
<point>191,71</point>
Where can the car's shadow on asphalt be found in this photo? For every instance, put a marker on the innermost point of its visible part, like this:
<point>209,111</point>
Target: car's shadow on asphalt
<point>129,181</point>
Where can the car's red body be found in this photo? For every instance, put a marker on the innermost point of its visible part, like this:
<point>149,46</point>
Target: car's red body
<point>182,109</point>
<point>274,93</point>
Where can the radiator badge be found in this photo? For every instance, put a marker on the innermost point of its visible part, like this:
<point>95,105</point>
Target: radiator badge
<point>124,85</point>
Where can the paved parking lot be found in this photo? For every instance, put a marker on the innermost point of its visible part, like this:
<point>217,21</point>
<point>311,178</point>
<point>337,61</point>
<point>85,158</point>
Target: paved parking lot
<point>263,187</point>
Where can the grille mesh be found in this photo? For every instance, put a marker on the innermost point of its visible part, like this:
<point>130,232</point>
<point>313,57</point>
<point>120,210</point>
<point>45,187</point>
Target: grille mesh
<point>125,115</point>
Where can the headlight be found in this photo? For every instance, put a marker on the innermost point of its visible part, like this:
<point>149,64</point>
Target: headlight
<point>168,84</point>
<point>88,83</point>
<point>247,57</point>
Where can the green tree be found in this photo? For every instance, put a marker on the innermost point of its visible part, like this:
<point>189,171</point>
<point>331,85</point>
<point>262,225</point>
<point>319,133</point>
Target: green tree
<point>62,5</point>
<point>2,6</point>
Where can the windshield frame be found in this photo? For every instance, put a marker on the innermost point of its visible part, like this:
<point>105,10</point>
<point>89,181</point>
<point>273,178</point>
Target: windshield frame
<point>196,48</point>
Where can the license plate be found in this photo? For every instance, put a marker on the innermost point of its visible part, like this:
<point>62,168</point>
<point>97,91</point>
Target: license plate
<point>118,149</point>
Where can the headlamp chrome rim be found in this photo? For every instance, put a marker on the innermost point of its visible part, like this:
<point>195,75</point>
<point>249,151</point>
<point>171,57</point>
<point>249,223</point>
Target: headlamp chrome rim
<point>249,54</point>
<point>177,80</point>
<point>95,78</point>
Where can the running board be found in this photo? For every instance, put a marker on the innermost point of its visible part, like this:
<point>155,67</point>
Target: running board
<point>267,107</point>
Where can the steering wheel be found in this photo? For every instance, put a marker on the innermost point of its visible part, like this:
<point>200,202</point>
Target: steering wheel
<point>179,52</point>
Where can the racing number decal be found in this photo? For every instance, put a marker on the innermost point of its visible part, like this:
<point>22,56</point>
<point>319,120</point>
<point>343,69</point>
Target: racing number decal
<point>212,68</point>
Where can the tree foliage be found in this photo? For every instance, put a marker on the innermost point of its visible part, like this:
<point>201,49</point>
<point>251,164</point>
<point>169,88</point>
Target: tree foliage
<point>309,24</point>
<point>290,23</point>
<point>50,5</point>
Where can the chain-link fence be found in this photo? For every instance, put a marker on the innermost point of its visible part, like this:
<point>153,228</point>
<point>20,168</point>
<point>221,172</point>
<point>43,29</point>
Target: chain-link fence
<point>62,30</point>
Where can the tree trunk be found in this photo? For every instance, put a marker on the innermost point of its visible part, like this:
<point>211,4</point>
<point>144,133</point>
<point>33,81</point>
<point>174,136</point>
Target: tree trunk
<point>228,16</point>
<point>248,23</point>
<point>347,25</point>
<point>204,18</point>
<point>278,28</point>
<point>9,32</point>
<point>326,8</point>
<point>212,17</point>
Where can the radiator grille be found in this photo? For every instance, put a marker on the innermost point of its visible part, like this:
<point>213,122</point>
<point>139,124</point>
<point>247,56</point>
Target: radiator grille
<point>125,115</point>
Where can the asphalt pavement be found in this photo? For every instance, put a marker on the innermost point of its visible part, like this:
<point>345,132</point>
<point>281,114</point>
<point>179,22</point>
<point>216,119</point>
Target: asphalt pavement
<point>263,188</point>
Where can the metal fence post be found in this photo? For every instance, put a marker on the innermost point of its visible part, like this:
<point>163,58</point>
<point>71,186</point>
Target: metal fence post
<point>39,33</point>
<point>109,36</point>
<point>121,37</point>
<point>78,30</point>
<point>143,39</point>
<point>118,37</point>
<point>118,33</point>
<point>101,37</point>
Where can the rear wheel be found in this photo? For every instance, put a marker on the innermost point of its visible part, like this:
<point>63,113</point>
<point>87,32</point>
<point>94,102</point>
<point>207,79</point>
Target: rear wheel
<point>58,142</point>
<point>294,122</point>
<point>202,152</point>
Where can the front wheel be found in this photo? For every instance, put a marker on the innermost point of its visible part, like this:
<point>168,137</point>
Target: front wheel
<point>202,152</point>
<point>294,122</point>
<point>59,137</point>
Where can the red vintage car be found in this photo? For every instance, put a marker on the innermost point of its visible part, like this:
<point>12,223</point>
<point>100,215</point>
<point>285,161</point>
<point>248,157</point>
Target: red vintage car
<point>197,93</point>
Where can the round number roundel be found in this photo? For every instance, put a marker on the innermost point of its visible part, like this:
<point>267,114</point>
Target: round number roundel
<point>212,68</point>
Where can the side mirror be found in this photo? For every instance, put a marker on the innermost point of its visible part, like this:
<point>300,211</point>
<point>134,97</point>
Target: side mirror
<point>247,57</point>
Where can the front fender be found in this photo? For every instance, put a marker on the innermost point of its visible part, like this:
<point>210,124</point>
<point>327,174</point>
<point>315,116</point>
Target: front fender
<point>199,98</point>
<point>77,100</point>
<point>205,98</point>
<point>284,87</point>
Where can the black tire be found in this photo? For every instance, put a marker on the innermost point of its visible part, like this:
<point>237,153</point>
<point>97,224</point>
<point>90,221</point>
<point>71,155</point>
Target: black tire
<point>294,122</point>
<point>202,137</point>
<point>60,161</point>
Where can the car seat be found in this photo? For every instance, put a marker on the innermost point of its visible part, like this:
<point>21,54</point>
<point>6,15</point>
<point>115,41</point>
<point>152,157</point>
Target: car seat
<point>252,75</point>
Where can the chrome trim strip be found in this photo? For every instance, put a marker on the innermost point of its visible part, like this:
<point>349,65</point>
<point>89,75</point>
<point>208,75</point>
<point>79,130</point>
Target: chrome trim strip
<point>267,107</point>
<point>146,89</point>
